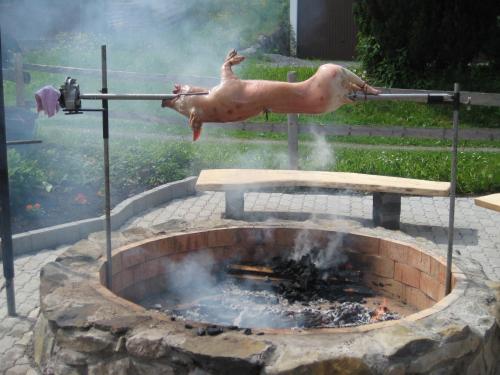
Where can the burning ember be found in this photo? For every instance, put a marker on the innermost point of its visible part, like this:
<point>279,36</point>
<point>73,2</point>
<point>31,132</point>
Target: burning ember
<point>284,293</point>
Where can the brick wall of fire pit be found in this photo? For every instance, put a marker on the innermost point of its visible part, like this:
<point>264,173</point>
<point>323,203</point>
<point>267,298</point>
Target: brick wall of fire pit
<point>84,328</point>
<point>393,268</point>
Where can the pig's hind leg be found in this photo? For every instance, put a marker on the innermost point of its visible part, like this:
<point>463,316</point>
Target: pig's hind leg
<point>232,58</point>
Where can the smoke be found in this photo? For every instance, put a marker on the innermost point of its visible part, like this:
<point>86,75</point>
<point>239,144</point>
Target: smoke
<point>322,156</point>
<point>323,257</point>
<point>192,277</point>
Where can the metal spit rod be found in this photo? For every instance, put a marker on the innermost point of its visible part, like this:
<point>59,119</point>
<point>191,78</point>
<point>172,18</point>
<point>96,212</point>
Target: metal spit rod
<point>356,96</point>
<point>430,98</point>
<point>98,96</point>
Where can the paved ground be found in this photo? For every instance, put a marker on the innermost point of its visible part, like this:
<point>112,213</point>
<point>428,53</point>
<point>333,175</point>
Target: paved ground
<point>476,236</point>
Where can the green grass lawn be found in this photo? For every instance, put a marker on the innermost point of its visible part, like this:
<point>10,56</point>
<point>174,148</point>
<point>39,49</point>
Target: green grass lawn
<point>72,147</point>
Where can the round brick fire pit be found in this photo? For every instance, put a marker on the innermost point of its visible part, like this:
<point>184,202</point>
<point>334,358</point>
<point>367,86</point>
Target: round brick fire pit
<point>84,327</point>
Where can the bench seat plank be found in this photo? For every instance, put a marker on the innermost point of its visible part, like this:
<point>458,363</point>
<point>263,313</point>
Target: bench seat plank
<point>255,179</point>
<point>491,201</point>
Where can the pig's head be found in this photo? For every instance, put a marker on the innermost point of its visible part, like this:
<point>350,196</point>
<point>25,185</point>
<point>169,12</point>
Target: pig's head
<point>186,104</point>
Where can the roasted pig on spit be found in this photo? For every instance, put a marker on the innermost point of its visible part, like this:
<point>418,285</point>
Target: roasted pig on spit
<point>236,99</point>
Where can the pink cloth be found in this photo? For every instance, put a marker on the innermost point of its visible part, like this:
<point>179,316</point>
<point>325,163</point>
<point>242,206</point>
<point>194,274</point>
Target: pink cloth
<point>47,100</point>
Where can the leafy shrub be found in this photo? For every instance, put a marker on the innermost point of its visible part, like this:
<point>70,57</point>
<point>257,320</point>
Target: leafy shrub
<point>26,178</point>
<point>403,41</point>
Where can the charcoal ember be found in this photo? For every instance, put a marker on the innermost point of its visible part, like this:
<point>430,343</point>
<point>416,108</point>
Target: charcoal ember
<point>201,331</point>
<point>304,282</point>
<point>214,331</point>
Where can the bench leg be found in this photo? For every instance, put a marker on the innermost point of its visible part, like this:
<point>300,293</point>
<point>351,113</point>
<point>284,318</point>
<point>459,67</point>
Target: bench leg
<point>234,205</point>
<point>386,210</point>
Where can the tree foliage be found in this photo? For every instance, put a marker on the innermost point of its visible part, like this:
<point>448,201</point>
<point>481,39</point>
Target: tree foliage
<point>247,20</point>
<point>400,41</point>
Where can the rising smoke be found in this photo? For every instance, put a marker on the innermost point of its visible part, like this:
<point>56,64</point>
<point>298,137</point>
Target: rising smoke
<point>323,257</point>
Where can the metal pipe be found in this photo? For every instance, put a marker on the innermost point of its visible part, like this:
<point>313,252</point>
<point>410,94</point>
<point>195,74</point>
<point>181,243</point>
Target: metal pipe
<point>23,142</point>
<point>451,223</point>
<point>107,190</point>
<point>103,96</point>
<point>293,132</point>
<point>431,98</point>
<point>6,230</point>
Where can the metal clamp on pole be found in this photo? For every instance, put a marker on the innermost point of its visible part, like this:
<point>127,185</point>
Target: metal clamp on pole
<point>71,97</point>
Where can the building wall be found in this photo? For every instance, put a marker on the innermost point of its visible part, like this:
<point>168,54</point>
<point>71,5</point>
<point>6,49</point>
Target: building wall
<point>325,29</point>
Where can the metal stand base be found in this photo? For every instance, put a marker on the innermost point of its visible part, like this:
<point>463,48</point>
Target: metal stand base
<point>234,205</point>
<point>386,210</point>
<point>11,297</point>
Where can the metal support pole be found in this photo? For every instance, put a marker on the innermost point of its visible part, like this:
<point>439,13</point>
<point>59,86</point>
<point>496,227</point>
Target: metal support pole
<point>20,101</point>
<point>451,226</point>
<point>107,192</point>
<point>6,230</point>
<point>293,132</point>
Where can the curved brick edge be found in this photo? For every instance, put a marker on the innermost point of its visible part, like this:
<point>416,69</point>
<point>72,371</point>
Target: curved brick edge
<point>51,237</point>
<point>83,327</point>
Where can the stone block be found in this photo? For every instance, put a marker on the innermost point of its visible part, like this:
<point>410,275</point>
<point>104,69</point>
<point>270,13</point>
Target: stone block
<point>394,250</point>
<point>88,226</point>
<point>407,275</point>
<point>159,248</point>
<point>116,263</point>
<point>91,341</point>
<point>132,257</point>
<point>438,270</point>
<point>118,367</point>
<point>431,287</point>
<point>388,285</point>
<point>380,266</point>
<point>116,283</point>
<point>415,297</point>
<point>222,237</point>
<point>140,273</point>
<point>364,244</point>
<point>51,237</point>
<point>121,213</point>
<point>418,259</point>
<point>158,196</point>
<point>180,189</point>
<point>127,277</point>
<point>153,268</point>
<point>234,205</point>
<point>386,210</point>
<point>22,243</point>
<point>139,203</point>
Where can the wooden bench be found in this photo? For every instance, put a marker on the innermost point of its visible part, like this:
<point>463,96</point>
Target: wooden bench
<point>386,190</point>
<point>491,201</point>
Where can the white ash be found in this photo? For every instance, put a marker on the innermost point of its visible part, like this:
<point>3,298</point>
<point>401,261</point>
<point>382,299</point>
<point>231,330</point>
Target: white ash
<point>232,304</point>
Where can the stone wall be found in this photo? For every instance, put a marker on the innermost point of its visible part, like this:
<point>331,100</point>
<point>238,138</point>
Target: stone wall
<point>84,328</point>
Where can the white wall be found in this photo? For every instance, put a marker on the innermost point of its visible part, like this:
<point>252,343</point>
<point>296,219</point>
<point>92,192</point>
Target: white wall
<point>293,24</point>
